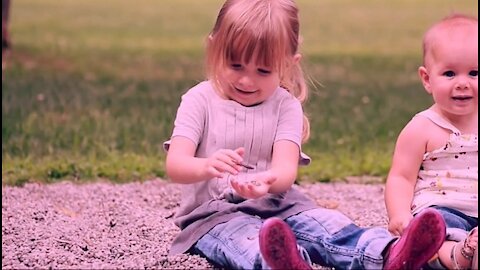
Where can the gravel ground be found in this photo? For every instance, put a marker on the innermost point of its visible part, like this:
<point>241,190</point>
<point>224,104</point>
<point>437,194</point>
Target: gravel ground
<point>129,226</point>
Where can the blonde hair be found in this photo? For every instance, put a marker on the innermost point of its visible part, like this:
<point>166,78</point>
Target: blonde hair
<point>266,31</point>
<point>449,23</point>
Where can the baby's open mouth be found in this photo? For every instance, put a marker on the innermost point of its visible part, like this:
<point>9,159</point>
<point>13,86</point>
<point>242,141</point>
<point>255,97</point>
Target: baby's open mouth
<point>462,97</point>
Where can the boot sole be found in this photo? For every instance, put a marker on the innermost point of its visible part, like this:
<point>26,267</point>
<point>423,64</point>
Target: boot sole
<point>278,246</point>
<point>422,238</point>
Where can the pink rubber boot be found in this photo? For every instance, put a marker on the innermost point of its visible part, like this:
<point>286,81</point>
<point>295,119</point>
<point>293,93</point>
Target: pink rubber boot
<point>278,246</point>
<point>422,238</point>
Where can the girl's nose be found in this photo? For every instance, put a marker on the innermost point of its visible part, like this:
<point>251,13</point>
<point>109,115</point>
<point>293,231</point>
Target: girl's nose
<point>246,82</point>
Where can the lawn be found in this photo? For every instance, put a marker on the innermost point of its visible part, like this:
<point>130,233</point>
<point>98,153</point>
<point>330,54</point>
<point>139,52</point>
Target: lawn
<point>91,88</point>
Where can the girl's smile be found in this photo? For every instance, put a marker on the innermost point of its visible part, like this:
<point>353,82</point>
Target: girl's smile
<point>248,83</point>
<point>245,92</point>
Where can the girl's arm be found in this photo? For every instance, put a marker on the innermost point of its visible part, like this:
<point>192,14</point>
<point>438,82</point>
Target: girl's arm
<point>279,178</point>
<point>183,167</point>
<point>284,165</point>
<point>401,180</point>
<point>286,149</point>
<point>285,155</point>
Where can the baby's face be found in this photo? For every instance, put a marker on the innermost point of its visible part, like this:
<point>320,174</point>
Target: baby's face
<point>452,67</point>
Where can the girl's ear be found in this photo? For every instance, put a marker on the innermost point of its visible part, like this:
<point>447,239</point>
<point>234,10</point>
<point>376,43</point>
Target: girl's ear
<point>296,58</point>
<point>423,73</point>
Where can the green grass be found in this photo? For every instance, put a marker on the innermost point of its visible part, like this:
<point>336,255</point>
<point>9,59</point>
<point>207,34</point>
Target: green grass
<point>91,87</point>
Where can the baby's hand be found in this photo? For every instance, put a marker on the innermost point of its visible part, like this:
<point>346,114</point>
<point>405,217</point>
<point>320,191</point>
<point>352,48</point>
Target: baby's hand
<point>224,160</point>
<point>253,186</point>
<point>398,223</point>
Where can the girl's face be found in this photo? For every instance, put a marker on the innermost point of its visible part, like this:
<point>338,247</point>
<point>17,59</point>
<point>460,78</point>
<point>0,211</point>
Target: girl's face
<point>248,83</point>
<point>451,75</point>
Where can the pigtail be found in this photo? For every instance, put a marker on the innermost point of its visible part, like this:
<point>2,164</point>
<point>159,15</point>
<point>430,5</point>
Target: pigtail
<point>302,95</point>
<point>295,83</point>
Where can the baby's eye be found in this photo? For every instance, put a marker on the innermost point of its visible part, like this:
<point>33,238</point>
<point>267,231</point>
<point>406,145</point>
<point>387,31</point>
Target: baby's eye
<point>473,73</point>
<point>449,73</point>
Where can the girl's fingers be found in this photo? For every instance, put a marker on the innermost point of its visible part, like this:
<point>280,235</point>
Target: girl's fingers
<point>227,166</point>
<point>243,189</point>
<point>237,186</point>
<point>214,172</point>
<point>228,161</point>
<point>240,151</point>
<point>234,184</point>
<point>235,157</point>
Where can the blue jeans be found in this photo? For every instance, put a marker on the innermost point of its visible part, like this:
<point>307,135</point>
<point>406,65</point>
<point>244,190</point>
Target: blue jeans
<point>458,226</point>
<point>324,236</point>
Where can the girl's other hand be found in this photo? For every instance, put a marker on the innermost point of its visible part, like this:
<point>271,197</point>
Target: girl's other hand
<point>253,186</point>
<point>224,161</point>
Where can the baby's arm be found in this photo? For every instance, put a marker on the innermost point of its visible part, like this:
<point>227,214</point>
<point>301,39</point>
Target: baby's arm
<point>401,180</point>
<point>183,167</point>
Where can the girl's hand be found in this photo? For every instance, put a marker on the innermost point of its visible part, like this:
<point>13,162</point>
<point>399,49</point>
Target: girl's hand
<point>398,223</point>
<point>224,160</point>
<point>253,186</point>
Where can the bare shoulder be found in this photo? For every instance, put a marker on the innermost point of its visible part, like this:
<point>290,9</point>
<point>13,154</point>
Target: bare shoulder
<point>423,130</point>
<point>417,128</point>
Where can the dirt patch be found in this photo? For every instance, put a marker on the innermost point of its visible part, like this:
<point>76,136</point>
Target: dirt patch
<point>130,226</point>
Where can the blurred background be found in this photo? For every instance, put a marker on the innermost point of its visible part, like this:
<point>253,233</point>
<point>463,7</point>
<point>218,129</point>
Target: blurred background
<point>90,88</point>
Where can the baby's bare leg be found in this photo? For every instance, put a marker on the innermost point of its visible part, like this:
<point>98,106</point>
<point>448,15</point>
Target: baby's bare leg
<point>460,255</point>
